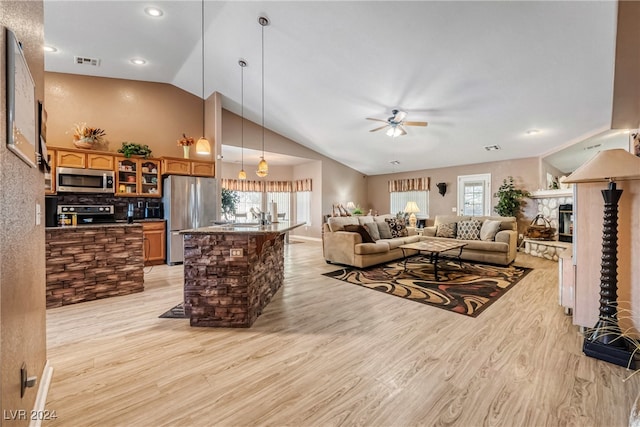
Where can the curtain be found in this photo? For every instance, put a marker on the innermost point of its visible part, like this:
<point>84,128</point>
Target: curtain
<point>242,185</point>
<point>279,186</point>
<point>410,184</point>
<point>302,185</point>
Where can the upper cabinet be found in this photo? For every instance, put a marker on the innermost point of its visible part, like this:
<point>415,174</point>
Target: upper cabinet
<point>138,177</point>
<point>78,159</point>
<point>177,166</point>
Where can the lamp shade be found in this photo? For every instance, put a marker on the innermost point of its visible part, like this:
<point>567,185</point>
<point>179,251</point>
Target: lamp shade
<point>411,208</point>
<point>607,165</point>
<point>263,168</point>
<point>351,205</point>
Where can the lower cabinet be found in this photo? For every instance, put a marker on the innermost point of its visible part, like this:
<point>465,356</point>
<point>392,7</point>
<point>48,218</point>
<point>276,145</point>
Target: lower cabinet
<point>154,242</point>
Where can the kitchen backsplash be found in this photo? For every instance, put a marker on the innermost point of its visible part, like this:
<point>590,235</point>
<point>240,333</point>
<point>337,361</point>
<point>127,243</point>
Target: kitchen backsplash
<point>120,203</point>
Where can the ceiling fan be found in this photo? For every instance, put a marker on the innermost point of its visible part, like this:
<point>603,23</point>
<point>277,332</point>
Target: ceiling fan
<point>395,123</point>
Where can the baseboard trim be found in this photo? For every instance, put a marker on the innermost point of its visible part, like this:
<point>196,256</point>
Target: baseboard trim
<point>312,239</point>
<point>41,397</point>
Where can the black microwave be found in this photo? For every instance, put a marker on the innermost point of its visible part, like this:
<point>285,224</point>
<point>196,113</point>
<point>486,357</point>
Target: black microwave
<point>84,180</point>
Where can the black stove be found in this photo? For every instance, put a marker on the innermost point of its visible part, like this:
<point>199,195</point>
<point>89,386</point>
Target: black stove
<point>85,214</point>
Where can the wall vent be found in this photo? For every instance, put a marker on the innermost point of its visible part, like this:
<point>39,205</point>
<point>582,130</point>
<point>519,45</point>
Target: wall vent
<point>492,147</point>
<point>83,60</point>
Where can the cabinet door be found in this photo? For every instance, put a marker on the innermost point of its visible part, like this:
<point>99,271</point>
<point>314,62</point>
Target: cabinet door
<point>203,168</point>
<point>100,161</point>
<point>71,159</point>
<point>176,166</point>
<point>127,177</point>
<point>154,242</point>
<point>50,177</point>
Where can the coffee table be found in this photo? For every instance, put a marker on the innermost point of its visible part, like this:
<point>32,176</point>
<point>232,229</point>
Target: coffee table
<point>434,247</point>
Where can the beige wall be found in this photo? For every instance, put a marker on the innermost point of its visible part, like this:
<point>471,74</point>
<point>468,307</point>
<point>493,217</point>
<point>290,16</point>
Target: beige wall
<point>524,172</point>
<point>155,114</point>
<point>22,293</point>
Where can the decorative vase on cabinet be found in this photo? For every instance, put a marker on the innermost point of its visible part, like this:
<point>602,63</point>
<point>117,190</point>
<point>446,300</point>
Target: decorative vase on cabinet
<point>185,151</point>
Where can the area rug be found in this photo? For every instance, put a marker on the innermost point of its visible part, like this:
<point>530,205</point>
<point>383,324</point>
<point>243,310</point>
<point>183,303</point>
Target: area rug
<point>176,312</point>
<point>466,288</point>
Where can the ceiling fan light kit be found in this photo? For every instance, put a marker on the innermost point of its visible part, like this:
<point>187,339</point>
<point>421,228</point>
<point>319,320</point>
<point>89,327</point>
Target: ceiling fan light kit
<point>395,124</point>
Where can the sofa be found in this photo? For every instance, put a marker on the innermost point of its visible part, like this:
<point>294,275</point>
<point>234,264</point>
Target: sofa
<point>341,246</point>
<point>496,246</point>
<point>349,248</point>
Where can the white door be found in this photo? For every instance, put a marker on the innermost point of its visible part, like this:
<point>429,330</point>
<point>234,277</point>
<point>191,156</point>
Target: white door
<point>474,195</point>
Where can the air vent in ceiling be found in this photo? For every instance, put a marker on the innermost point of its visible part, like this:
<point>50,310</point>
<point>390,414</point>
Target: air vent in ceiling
<point>492,147</point>
<point>591,147</point>
<point>83,60</point>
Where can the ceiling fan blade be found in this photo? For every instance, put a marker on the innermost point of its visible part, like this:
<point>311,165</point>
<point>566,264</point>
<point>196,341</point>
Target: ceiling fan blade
<point>414,123</point>
<point>377,120</point>
<point>380,128</point>
<point>399,115</point>
<point>402,131</point>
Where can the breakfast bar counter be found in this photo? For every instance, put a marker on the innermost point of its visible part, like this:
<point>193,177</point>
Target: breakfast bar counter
<point>232,271</point>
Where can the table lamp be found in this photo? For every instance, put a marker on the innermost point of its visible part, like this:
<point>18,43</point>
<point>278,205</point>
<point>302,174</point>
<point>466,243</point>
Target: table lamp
<point>351,206</point>
<point>604,341</point>
<point>412,208</point>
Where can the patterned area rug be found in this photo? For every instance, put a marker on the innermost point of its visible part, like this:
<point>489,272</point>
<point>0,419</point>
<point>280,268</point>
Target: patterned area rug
<point>468,289</point>
<point>176,312</point>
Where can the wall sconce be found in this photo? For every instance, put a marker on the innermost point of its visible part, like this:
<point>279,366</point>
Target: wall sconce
<point>442,188</point>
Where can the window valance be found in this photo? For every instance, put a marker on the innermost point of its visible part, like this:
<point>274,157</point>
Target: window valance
<point>409,184</point>
<point>269,186</point>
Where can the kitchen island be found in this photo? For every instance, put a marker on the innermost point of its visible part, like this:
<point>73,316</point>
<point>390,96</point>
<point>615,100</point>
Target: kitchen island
<point>232,271</point>
<point>88,262</point>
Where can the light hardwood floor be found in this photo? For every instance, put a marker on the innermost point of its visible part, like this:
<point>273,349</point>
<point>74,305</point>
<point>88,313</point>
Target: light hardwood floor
<point>327,353</point>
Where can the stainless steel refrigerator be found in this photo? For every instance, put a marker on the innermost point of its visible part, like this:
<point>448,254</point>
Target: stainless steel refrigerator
<point>189,202</point>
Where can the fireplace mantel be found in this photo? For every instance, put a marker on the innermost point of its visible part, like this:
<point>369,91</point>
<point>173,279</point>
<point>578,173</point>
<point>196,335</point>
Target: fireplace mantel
<point>548,194</point>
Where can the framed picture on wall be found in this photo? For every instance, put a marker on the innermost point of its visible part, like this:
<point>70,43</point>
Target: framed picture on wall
<point>634,142</point>
<point>21,103</point>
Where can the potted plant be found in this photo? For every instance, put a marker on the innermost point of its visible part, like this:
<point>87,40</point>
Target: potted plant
<point>510,198</point>
<point>230,199</point>
<point>357,211</point>
<point>86,137</point>
<point>129,149</point>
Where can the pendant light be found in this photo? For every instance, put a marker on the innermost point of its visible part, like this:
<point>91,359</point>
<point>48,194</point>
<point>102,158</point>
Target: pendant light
<point>203,146</point>
<point>263,168</point>
<point>242,174</point>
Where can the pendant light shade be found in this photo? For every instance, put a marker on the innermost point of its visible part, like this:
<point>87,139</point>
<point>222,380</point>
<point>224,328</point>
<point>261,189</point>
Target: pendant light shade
<point>203,146</point>
<point>263,167</point>
<point>242,174</point>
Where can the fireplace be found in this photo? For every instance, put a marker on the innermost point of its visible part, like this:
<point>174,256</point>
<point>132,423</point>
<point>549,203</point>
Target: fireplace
<point>565,223</point>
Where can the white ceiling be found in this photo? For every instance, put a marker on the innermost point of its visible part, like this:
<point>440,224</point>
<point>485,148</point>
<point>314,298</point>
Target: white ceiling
<point>481,73</point>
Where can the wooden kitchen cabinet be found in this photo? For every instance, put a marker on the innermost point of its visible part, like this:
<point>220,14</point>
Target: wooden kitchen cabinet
<point>177,166</point>
<point>153,233</point>
<point>68,158</point>
<point>138,177</point>
<point>71,159</point>
<point>50,176</point>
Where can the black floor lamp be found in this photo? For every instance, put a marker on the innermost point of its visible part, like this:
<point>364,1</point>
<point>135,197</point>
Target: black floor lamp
<point>605,342</point>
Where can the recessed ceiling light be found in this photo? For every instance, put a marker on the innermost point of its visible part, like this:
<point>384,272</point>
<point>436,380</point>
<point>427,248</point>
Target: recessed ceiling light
<point>138,61</point>
<point>154,11</point>
<point>532,131</point>
<point>49,49</point>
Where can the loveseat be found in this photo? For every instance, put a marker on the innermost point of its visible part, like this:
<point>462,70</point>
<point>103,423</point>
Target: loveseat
<point>349,248</point>
<point>498,237</point>
<point>341,246</point>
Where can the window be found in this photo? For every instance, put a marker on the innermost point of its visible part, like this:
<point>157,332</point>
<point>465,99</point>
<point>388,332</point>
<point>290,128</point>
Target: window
<point>399,199</point>
<point>303,207</point>
<point>283,200</point>
<point>474,195</point>
<point>248,200</point>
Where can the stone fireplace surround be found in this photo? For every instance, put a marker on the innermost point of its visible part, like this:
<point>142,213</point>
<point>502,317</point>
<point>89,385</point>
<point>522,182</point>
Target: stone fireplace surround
<point>548,204</point>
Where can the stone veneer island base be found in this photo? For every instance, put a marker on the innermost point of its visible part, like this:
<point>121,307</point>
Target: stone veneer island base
<point>221,290</point>
<point>90,262</point>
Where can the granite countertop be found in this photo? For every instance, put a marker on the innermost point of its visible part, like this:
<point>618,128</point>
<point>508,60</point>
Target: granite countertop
<point>245,228</point>
<point>87,226</point>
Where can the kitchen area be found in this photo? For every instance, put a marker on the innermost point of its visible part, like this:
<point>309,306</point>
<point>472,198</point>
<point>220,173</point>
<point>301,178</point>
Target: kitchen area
<point>107,217</point>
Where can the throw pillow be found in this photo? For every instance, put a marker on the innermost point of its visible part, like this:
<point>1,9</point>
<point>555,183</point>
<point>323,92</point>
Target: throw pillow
<point>366,237</point>
<point>489,229</point>
<point>372,228</point>
<point>385,231</point>
<point>446,230</point>
<point>398,227</point>
<point>469,230</point>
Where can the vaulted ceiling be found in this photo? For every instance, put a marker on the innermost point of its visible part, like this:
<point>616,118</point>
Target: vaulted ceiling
<point>481,73</point>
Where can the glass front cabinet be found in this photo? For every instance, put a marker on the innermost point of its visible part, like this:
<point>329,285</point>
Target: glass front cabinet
<point>138,177</point>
